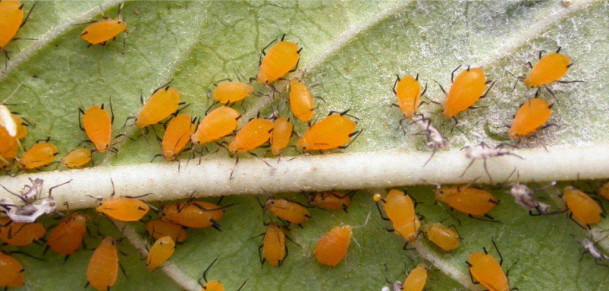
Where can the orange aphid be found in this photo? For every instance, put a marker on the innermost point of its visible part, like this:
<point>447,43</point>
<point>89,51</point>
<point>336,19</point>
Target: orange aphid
<point>254,134</point>
<point>122,208</point>
<point>21,126</point>
<point>219,123</point>
<point>77,158</point>
<point>67,237</point>
<point>163,102</point>
<point>160,228</point>
<point>416,279</point>
<point>281,58</point>
<point>12,272</point>
<point>331,200</point>
<point>290,211</point>
<point>549,69</point>
<point>177,135</point>
<point>530,117</point>
<point>400,210</point>
<point>469,200</point>
<point>104,30</point>
<point>408,92</point>
<point>97,123</point>
<point>103,266</point>
<point>194,214</point>
<point>38,156</point>
<point>274,249</point>
<point>8,148</point>
<point>488,272</point>
<point>230,92</point>
<point>20,234</point>
<point>444,237</point>
<point>467,88</point>
<point>331,132</point>
<point>281,135</point>
<point>160,252</point>
<point>603,190</point>
<point>301,101</point>
<point>332,248</point>
<point>586,210</point>
<point>11,19</point>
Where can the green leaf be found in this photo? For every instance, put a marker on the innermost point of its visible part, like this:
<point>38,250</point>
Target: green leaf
<point>353,50</point>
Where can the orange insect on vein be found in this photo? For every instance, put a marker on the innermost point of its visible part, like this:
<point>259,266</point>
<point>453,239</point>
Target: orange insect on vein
<point>38,156</point>
<point>469,200</point>
<point>442,236</point>
<point>67,237</point>
<point>102,271</point>
<point>97,124</point>
<point>77,158</point>
<point>20,234</point>
<point>125,208</point>
<point>13,274</point>
<point>274,248</point>
<point>160,252</point>
<point>163,102</point>
<point>104,30</point>
<point>332,132</point>
<point>290,211</point>
<point>301,101</point>
<point>160,228</point>
<point>254,134</point>
<point>549,69</point>
<point>219,123</point>
<point>532,115</point>
<point>177,135</point>
<point>227,92</point>
<point>400,210</point>
<point>408,92</point>
<point>416,279</point>
<point>281,135</point>
<point>331,200</point>
<point>488,272</point>
<point>281,58</point>
<point>584,208</point>
<point>332,248</point>
<point>194,214</point>
<point>467,89</point>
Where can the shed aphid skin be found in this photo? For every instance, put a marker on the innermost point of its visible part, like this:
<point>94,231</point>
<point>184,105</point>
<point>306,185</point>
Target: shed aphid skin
<point>39,155</point>
<point>227,91</point>
<point>469,200</point>
<point>273,249</point>
<point>435,140</point>
<point>20,234</point>
<point>483,151</point>
<point>12,16</point>
<point>34,205</point>
<point>591,249</point>
<point>101,31</point>
<point>160,252</point>
<point>160,228</point>
<point>445,238</point>
<point>407,90</point>
<point>400,210</point>
<point>164,102</point>
<point>286,210</point>
<point>550,68</point>
<point>281,135</point>
<point>213,285</point>
<point>332,132</point>
<point>585,209</point>
<point>77,158</point>
<point>97,124</point>
<point>331,200</point>
<point>102,271</point>
<point>67,237</point>
<point>531,117</point>
<point>219,123</point>
<point>301,101</point>
<point>523,195</point>
<point>195,214</point>
<point>13,273</point>
<point>125,208</point>
<point>282,58</point>
<point>466,90</point>
<point>177,136</point>
<point>332,248</point>
<point>485,270</point>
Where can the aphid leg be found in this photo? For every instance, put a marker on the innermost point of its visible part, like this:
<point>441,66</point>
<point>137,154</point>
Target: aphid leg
<point>267,46</point>
<point>357,134</point>
<point>433,152</point>
<point>156,156</point>
<point>541,54</point>
<point>381,212</point>
<point>498,252</point>
<point>260,255</point>
<point>551,93</point>
<point>80,113</point>
<point>405,247</point>
<point>28,14</point>
<point>397,79</point>
<point>215,224</point>
<point>467,168</point>
<point>59,185</point>
<point>297,63</point>
<point>122,270</point>
<point>452,75</point>
<point>488,90</point>
<point>570,81</point>
<point>530,65</point>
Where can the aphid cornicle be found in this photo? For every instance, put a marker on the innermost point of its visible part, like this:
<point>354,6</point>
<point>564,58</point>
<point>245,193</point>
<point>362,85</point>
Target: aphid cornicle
<point>281,135</point>
<point>290,211</point>
<point>97,124</point>
<point>253,134</point>
<point>532,115</point>
<point>219,123</point>
<point>301,101</point>
<point>469,200</point>
<point>163,102</point>
<point>101,31</point>
<point>160,252</point>
<point>332,132</point>
<point>485,270</point>
<point>39,155</point>
<point>582,207</point>
<point>67,237</point>
<point>227,92</point>
<point>332,248</point>
<point>77,158</point>
<point>103,266</point>
<point>274,248</point>
<point>20,234</point>
<point>194,214</point>
<point>400,210</point>
<point>549,69</point>
<point>213,285</point>
<point>442,236</point>
<point>13,274</point>
<point>126,208</point>
<point>331,200</point>
<point>11,20</point>
<point>408,92</point>
<point>281,58</point>
<point>466,90</point>
<point>160,228</point>
<point>177,135</point>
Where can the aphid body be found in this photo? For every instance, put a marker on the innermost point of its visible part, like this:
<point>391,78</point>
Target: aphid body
<point>160,252</point>
<point>332,248</point>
